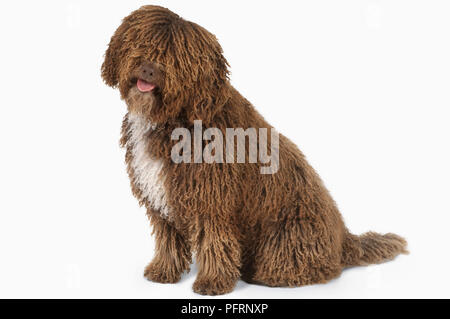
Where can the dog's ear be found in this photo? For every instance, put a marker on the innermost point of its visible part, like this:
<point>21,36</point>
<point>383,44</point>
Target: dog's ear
<point>205,94</point>
<point>110,66</point>
<point>196,75</point>
<point>212,90</point>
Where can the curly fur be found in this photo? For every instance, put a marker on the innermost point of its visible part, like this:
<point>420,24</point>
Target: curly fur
<point>277,230</point>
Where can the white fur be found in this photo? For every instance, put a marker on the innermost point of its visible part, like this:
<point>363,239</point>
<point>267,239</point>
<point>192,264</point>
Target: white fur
<point>147,170</point>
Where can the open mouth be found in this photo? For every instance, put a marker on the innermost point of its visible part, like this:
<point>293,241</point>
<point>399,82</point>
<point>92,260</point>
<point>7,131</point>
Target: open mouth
<point>144,86</point>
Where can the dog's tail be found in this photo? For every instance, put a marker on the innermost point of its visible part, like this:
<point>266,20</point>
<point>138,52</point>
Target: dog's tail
<point>371,248</point>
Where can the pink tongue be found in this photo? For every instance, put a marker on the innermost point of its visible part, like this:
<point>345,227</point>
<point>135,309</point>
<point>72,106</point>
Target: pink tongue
<point>144,86</point>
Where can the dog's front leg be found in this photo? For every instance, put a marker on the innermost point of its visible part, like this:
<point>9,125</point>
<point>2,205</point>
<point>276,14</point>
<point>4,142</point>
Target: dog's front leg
<point>218,255</point>
<point>172,255</point>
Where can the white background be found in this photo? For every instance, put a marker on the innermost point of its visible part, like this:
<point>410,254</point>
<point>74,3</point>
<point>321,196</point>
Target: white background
<point>362,87</point>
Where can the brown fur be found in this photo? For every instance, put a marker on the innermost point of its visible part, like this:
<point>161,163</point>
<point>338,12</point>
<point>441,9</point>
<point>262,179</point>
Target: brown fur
<point>278,230</point>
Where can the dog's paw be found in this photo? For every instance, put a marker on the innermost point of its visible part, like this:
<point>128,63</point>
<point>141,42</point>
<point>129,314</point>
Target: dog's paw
<point>213,287</point>
<point>155,272</point>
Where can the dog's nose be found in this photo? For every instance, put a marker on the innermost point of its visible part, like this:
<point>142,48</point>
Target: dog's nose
<point>147,71</point>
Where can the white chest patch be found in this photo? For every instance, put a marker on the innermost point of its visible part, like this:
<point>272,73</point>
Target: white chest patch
<point>147,171</point>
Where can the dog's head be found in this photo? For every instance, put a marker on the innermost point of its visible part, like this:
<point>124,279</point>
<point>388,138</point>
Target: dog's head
<point>166,67</point>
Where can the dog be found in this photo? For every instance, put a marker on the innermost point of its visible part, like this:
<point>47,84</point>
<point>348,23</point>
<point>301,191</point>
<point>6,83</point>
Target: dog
<point>280,230</point>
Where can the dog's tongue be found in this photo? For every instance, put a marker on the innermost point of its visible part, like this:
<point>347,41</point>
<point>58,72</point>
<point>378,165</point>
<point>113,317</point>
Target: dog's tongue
<point>144,86</point>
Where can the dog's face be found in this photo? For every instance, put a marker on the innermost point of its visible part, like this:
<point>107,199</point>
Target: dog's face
<point>144,88</point>
<point>166,67</point>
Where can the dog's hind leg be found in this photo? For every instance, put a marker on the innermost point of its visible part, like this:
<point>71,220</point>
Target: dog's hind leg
<point>173,253</point>
<point>285,257</point>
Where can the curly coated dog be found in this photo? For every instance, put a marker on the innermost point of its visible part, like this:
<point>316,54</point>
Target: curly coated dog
<point>279,229</point>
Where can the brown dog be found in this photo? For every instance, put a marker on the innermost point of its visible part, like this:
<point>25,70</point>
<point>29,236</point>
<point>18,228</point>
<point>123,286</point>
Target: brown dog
<point>280,229</point>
